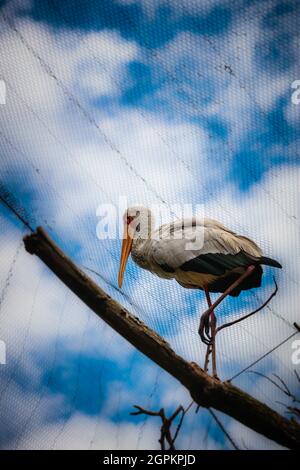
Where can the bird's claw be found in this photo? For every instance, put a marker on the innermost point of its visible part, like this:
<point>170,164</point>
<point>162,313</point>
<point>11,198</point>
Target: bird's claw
<point>204,329</point>
<point>207,329</point>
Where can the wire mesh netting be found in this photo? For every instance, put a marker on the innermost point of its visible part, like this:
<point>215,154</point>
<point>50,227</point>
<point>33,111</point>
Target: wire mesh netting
<point>168,104</point>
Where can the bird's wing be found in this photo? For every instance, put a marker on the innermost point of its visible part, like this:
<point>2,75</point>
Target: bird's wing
<point>200,245</point>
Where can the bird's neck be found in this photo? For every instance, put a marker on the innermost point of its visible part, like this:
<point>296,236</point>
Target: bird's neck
<point>143,235</point>
<point>141,238</point>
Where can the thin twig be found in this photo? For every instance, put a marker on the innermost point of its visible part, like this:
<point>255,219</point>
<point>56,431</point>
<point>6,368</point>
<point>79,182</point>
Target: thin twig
<point>165,430</point>
<point>289,409</point>
<point>284,390</point>
<point>223,429</point>
<point>184,412</point>
<point>294,410</point>
<point>251,313</point>
<point>288,392</point>
<point>179,425</point>
<point>145,412</point>
<point>269,380</point>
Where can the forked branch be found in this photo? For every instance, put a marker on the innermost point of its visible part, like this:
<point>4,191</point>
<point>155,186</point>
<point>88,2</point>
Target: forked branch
<point>166,423</point>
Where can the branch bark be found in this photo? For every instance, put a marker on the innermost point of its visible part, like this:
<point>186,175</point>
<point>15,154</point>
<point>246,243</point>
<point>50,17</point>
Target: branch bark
<point>204,389</point>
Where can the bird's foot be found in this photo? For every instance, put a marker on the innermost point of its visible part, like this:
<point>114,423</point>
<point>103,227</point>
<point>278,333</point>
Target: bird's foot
<point>204,329</point>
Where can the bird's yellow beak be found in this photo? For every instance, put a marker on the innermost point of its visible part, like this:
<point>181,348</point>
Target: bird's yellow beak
<point>126,249</point>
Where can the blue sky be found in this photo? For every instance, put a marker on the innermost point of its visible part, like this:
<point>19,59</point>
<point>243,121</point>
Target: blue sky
<point>173,102</point>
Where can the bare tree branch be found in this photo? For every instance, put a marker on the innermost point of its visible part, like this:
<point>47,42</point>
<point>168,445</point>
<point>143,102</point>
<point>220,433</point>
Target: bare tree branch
<point>284,389</point>
<point>205,390</point>
<point>292,410</point>
<point>165,430</point>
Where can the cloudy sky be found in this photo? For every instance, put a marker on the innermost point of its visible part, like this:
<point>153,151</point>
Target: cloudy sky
<point>162,102</point>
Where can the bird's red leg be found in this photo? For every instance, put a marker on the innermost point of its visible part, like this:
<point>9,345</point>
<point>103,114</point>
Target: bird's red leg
<point>206,315</point>
<point>211,348</point>
<point>207,354</point>
<point>213,325</point>
<point>208,350</point>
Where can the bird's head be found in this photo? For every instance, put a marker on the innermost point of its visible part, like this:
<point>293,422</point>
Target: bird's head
<point>138,224</point>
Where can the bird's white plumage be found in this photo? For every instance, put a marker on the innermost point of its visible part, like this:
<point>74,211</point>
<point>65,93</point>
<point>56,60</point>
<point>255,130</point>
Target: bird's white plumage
<point>173,244</point>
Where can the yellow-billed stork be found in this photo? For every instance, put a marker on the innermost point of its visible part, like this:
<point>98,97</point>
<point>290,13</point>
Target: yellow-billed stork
<point>225,262</point>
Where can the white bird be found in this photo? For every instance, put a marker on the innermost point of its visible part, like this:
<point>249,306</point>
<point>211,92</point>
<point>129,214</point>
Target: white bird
<point>200,253</point>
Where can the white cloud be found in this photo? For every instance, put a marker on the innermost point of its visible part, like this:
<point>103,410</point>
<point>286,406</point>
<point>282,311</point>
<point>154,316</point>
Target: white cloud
<point>112,436</point>
<point>127,148</point>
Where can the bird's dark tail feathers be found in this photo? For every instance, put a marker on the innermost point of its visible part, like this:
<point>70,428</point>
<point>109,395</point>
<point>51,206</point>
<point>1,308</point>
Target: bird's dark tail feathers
<point>269,262</point>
